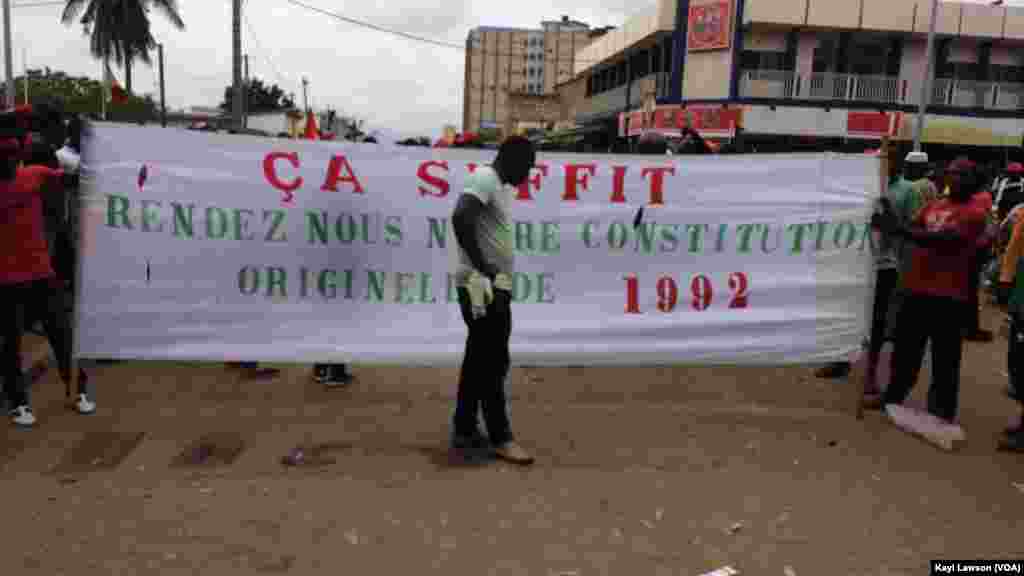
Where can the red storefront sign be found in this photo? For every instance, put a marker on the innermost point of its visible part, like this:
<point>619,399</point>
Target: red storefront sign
<point>872,124</point>
<point>708,121</point>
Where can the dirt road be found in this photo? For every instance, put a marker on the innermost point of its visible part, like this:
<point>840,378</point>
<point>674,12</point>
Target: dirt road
<point>640,471</point>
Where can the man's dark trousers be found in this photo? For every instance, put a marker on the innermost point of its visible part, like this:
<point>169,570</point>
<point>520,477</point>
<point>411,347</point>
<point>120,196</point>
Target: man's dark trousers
<point>922,319</point>
<point>484,368</point>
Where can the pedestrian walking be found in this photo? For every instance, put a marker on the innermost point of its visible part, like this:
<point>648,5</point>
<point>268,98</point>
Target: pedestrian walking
<point>483,230</point>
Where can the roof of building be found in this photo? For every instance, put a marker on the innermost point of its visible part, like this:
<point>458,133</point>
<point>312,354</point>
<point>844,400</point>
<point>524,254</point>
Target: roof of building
<point>565,21</point>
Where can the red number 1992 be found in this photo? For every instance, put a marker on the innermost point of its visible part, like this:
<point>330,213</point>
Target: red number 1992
<point>702,293</point>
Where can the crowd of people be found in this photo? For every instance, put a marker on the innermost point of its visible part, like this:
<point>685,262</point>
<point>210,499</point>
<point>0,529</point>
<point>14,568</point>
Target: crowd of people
<point>935,232</point>
<point>40,159</point>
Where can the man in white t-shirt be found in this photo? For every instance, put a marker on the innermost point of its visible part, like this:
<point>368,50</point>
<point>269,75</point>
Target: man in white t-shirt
<point>482,224</point>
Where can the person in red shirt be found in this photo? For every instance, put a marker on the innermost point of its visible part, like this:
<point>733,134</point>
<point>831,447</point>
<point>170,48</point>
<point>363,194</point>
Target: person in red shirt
<point>937,287</point>
<point>25,269</point>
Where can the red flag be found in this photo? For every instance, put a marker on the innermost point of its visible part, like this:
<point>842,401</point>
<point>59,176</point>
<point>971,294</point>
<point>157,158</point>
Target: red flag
<point>311,131</point>
<point>117,94</point>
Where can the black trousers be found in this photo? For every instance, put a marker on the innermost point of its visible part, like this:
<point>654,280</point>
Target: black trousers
<point>886,283</point>
<point>484,368</point>
<point>41,299</point>
<point>923,319</point>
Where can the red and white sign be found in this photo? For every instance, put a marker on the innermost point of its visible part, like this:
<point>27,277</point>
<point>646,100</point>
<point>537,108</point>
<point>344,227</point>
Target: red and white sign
<point>875,125</point>
<point>708,121</point>
<point>709,25</point>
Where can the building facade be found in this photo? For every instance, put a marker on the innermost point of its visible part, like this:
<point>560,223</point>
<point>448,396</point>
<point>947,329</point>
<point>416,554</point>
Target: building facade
<point>850,69</point>
<point>504,61</point>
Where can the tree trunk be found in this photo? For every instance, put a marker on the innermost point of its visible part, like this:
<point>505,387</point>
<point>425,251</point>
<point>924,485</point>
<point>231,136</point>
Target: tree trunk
<point>128,75</point>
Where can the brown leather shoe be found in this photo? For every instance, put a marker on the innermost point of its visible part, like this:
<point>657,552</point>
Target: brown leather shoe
<point>514,453</point>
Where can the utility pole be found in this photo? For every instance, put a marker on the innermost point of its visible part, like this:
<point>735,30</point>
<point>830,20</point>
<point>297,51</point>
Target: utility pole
<point>10,95</point>
<point>305,94</point>
<point>24,70</point>
<point>163,94</point>
<point>926,83</point>
<point>245,103</point>
<point>236,30</point>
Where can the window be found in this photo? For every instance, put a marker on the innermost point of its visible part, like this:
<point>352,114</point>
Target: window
<point>752,60</point>
<point>1007,74</point>
<point>825,54</point>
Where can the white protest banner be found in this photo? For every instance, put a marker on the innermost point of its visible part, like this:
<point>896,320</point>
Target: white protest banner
<point>214,247</point>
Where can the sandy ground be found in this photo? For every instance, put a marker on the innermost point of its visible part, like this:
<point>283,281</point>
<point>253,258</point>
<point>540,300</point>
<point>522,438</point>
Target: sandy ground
<point>640,471</point>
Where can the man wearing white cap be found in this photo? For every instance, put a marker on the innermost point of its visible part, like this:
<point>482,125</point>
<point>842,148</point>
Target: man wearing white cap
<point>916,171</point>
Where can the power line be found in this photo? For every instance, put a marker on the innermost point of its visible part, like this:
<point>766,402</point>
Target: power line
<point>263,54</point>
<point>416,38</point>
<point>39,4</point>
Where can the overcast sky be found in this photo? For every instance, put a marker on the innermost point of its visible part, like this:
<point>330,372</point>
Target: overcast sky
<point>398,85</point>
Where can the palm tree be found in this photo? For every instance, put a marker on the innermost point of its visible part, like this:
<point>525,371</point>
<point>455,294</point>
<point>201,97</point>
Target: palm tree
<point>119,29</point>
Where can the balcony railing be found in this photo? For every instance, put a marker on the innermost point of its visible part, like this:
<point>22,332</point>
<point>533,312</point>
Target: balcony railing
<point>877,88</point>
<point>785,84</point>
<point>971,94</point>
<point>768,84</point>
<point>1009,97</point>
<point>829,86</point>
<point>881,89</point>
<point>942,88</point>
<point>614,100</point>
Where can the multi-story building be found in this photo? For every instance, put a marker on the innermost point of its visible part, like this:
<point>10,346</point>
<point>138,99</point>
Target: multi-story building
<point>504,61</point>
<point>810,69</point>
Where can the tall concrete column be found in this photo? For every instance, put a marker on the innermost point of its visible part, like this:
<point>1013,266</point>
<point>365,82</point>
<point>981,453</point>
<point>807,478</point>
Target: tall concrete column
<point>806,43</point>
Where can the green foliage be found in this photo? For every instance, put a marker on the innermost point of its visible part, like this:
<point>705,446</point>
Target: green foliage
<point>81,95</point>
<point>119,30</point>
<point>261,98</point>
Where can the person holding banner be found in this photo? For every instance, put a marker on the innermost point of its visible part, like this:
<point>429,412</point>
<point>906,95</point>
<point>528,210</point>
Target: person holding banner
<point>936,287</point>
<point>482,224</point>
<point>26,273</point>
<point>890,257</point>
<point>55,315</point>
